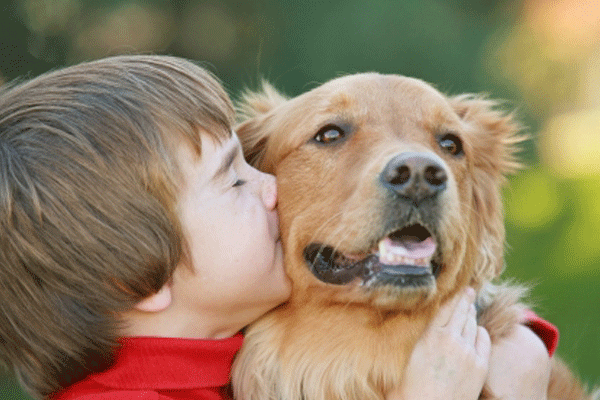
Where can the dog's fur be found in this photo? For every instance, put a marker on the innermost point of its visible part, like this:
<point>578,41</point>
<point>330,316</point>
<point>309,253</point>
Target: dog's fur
<point>330,149</point>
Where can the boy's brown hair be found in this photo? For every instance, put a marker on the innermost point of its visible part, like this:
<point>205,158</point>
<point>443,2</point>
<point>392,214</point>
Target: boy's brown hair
<point>87,191</point>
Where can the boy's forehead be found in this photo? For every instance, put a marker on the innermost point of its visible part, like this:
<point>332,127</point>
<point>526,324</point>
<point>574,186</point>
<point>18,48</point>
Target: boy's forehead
<point>197,139</point>
<point>214,156</point>
<point>225,154</point>
<point>219,145</point>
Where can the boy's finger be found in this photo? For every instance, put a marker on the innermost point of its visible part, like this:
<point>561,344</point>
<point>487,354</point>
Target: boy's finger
<point>443,315</point>
<point>459,316</point>
<point>483,344</point>
<point>445,312</point>
<point>470,329</point>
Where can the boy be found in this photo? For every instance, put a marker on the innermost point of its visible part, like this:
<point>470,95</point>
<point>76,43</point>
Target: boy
<point>136,242</point>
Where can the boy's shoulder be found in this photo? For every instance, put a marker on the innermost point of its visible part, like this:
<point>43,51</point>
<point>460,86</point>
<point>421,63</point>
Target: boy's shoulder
<point>153,368</point>
<point>117,395</point>
<point>89,389</point>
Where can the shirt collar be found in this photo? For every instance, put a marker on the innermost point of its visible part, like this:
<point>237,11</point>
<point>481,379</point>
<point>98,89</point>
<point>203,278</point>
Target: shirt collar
<point>171,363</point>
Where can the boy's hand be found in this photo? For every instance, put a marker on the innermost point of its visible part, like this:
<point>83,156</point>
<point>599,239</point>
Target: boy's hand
<point>450,361</point>
<point>526,378</point>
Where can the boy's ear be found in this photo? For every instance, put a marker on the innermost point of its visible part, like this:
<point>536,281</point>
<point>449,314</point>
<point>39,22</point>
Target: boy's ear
<point>156,302</point>
<point>254,109</point>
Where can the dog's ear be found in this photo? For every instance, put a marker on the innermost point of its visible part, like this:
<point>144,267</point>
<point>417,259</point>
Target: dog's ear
<point>496,134</point>
<point>253,129</point>
<point>494,137</point>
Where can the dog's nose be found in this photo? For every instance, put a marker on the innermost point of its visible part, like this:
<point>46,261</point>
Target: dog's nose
<point>415,176</point>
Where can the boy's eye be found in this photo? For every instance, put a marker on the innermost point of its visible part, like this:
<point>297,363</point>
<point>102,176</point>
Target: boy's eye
<point>239,182</point>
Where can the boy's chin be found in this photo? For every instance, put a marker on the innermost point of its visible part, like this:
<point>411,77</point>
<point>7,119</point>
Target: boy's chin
<point>278,297</point>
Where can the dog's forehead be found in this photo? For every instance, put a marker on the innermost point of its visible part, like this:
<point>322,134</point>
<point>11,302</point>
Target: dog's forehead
<point>376,95</point>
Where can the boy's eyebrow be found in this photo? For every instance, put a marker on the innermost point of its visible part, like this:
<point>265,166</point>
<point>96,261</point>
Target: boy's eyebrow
<point>228,160</point>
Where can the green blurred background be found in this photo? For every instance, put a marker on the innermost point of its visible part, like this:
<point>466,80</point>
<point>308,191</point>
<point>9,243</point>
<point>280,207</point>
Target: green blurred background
<point>542,56</point>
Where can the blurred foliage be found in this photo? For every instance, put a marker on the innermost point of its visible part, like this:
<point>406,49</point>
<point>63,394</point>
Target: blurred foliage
<point>542,56</point>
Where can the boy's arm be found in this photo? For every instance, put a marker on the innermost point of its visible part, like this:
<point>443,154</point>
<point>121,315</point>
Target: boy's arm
<point>546,331</point>
<point>520,363</point>
<point>118,395</point>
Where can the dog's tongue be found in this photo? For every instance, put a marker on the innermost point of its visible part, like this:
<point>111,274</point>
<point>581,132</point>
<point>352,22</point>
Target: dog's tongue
<point>408,247</point>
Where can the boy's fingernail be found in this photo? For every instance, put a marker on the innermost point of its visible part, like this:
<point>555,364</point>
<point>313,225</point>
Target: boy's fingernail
<point>470,292</point>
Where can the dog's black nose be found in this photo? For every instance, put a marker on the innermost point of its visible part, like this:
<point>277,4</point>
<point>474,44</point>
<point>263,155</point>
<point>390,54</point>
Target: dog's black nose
<point>415,176</point>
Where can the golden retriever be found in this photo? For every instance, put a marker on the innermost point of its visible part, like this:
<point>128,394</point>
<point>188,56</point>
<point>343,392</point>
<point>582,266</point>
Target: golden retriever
<point>389,202</point>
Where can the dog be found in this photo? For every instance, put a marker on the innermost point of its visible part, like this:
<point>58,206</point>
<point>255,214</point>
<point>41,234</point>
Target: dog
<point>389,204</point>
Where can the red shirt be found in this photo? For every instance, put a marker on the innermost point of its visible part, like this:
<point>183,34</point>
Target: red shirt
<point>150,368</point>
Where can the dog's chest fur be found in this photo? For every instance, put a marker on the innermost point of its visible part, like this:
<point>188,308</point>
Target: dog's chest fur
<point>301,355</point>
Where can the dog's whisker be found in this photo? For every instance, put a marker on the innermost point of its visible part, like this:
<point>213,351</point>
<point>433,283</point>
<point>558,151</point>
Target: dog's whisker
<point>325,225</point>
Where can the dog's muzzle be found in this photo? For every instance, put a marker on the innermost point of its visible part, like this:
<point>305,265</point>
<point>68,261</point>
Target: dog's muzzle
<point>405,257</point>
<point>408,254</point>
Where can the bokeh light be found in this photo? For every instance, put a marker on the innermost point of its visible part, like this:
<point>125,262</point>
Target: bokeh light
<point>208,32</point>
<point>129,27</point>
<point>533,200</point>
<point>570,144</point>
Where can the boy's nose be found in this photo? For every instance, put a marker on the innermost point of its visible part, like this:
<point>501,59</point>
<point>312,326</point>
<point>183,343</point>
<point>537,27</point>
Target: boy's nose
<point>269,191</point>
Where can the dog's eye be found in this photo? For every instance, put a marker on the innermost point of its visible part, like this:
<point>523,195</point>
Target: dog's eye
<point>329,134</point>
<point>451,144</point>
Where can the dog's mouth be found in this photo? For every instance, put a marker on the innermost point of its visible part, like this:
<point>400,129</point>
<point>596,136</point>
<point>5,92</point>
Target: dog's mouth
<point>405,257</point>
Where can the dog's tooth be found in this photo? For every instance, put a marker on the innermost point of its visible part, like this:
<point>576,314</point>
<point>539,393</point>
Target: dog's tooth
<point>395,255</point>
<point>391,258</point>
<point>382,249</point>
<point>384,256</point>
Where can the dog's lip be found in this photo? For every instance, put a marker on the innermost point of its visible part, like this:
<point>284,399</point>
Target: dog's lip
<point>410,253</point>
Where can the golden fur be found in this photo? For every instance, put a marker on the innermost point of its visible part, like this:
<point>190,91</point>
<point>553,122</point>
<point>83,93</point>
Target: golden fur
<point>351,341</point>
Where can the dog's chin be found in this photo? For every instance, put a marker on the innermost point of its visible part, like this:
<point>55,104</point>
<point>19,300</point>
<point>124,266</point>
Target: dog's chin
<point>403,265</point>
